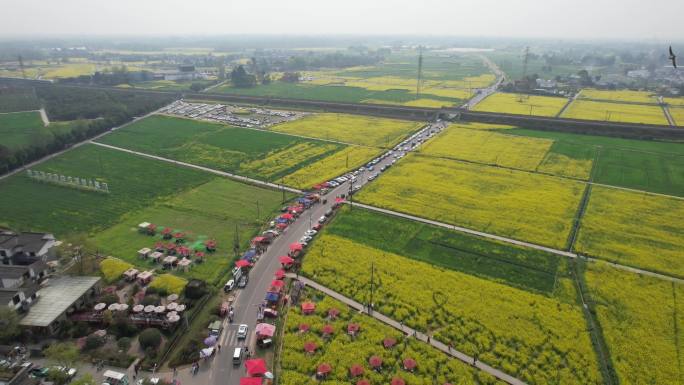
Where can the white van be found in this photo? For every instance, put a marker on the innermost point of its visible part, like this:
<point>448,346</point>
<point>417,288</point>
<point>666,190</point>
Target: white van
<point>230,285</point>
<point>237,356</point>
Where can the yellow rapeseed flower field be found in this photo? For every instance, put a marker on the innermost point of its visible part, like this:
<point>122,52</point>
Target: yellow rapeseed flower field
<point>677,114</point>
<point>634,228</point>
<point>70,70</point>
<point>539,339</point>
<point>331,166</point>
<point>615,112</point>
<point>559,164</point>
<point>636,316</point>
<point>675,102</point>
<point>488,147</point>
<point>422,102</point>
<point>362,130</point>
<point>618,95</point>
<point>279,161</point>
<point>517,204</point>
<point>522,104</point>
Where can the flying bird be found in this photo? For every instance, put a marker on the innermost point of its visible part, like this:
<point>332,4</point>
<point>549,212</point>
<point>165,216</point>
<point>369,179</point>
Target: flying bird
<point>673,58</point>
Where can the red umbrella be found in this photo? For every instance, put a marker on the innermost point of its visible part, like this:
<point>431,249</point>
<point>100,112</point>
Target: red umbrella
<point>179,235</point>
<point>303,328</point>
<point>167,230</point>
<point>363,382</point>
<point>296,247</point>
<point>241,263</point>
<point>339,200</point>
<point>389,342</point>
<point>250,381</point>
<point>333,313</point>
<point>199,254</point>
<point>324,368</point>
<point>280,274</point>
<point>328,329</point>
<point>278,284</point>
<point>256,367</point>
<point>159,246</point>
<point>397,381</point>
<point>356,370</point>
<point>310,347</point>
<point>285,260</point>
<point>353,328</point>
<point>375,361</point>
<point>308,307</point>
<point>170,246</point>
<point>409,364</point>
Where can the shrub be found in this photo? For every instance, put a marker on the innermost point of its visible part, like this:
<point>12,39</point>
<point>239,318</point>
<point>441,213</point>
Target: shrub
<point>150,338</point>
<point>93,342</point>
<point>168,283</point>
<point>196,289</point>
<point>109,299</point>
<point>113,268</point>
<point>124,343</point>
<point>151,300</point>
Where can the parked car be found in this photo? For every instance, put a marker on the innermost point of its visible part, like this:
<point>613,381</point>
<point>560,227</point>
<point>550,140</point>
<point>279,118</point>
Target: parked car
<point>371,177</point>
<point>70,372</point>
<point>230,285</point>
<point>305,239</point>
<point>39,372</point>
<point>322,219</point>
<point>318,226</point>
<point>311,233</point>
<point>242,331</point>
<point>242,282</point>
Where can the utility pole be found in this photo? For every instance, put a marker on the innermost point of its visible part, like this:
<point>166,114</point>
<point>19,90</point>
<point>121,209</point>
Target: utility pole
<point>420,70</point>
<point>370,303</point>
<point>351,194</point>
<point>21,65</point>
<point>236,241</point>
<point>347,164</point>
<point>258,211</point>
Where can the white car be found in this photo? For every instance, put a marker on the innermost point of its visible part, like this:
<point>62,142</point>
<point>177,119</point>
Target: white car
<point>305,239</point>
<point>242,331</point>
<point>311,232</point>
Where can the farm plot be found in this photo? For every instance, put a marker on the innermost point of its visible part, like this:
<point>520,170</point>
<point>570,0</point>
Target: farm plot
<point>634,229</point>
<point>134,183</point>
<point>18,99</point>
<point>210,211</point>
<point>516,204</point>
<point>361,130</point>
<point>618,95</point>
<point>641,318</point>
<point>538,338</point>
<point>615,112</point>
<point>674,102</point>
<point>677,114</point>
<point>341,351</point>
<point>22,129</point>
<point>529,269</point>
<point>488,147</point>
<point>521,104</point>
<point>253,153</point>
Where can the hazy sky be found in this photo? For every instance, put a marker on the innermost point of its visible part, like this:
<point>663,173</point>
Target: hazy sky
<point>630,19</point>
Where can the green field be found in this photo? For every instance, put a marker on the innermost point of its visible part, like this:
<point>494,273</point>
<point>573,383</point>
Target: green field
<point>212,210</point>
<point>515,266</point>
<point>18,99</point>
<point>22,129</point>
<point>134,183</point>
<point>637,164</point>
<point>252,153</point>
<point>641,318</point>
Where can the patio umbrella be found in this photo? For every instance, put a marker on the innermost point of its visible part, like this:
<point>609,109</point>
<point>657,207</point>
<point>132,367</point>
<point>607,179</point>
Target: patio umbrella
<point>323,368</point>
<point>172,297</point>
<point>113,306</point>
<point>100,306</point>
<point>375,361</point>
<point>138,308</point>
<point>356,370</point>
<point>398,381</point>
<point>389,342</point>
<point>303,328</point>
<point>206,352</point>
<point>277,283</point>
<point>256,367</point>
<point>171,314</point>
<point>310,347</point>
<point>353,328</point>
<point>160,309</point>
<point>100,333</point>
<point>280,274</point>
<point>265,330</point>
<point>308,307</point>
<point>296,247</point>
<point>174,318</point>
<point>210,341</point>
<point>268,375</point>
<point>149,308</point>
<point>333,313</point>
<point>171,306</point>
<point>328,329</point>
<point>409,364</point>
<point>180,308</point>
<point>285,260</point>
<point>122,307</point>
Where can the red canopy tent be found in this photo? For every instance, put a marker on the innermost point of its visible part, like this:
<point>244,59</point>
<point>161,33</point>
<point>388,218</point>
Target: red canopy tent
<point>339,200</point>
<point>356,370</point>
<point>353,328</point>
<point>389,342</point>
<point>183,251</point>
<point>199,254</point>
<point>363,382</point>
<point>409,364</point>
<point>179,235</point>
<point>264,330</point>
<point>323,368</point>
<point>280,274</point>
<point>287,216</point>
<point>303,328</point>
<point>241,263</point>
<point>250,381</point>
<point>281,225</point>
<point>310,347</point>
<point>170,246</point>
<point>308,307</point>
<point>375,361</point>
<point>398,381</point>
<point>256,240</point>
<point>333,313</point>
<point>296,247</point>
<point>159,246</point>
<point>285,260</point>
<point>256,367</point>
<point>277,283</point>
<point>328,329</point>
<point>210,245</point>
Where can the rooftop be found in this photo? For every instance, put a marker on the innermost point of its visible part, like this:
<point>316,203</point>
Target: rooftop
<point>56,298</point>
<point>29,242</point>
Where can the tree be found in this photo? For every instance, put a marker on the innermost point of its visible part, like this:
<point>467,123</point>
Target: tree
<point>150,338</point>
<point>64,354</point>
<point>93,342</point>
<point>266,79</point>
<point>86,379</point>
<point>9,324</point>
<point>290,77</point>
<point>240,78</point>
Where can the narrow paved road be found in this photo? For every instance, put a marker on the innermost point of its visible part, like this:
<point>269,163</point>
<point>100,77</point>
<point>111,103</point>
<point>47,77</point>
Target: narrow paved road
<point>409,331</point>
<point>206,169</point>
<point>484,92</point>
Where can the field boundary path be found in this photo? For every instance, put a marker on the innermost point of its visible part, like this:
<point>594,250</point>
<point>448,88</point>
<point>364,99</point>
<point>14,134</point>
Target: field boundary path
<point>43,115</point>
<point>666,111</point>
<point>409,331</point>
<point>207,169</point>
<point>565,107</point>
<point>516,242</point>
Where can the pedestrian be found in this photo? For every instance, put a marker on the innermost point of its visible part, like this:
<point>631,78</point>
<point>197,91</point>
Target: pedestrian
<point>401,324</point>
<point>175,372</point>
<point>451,346</point>
<point>219,348</point>
<point>428,339</point>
